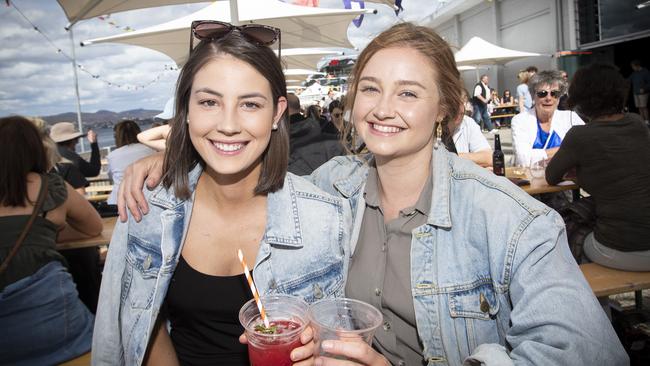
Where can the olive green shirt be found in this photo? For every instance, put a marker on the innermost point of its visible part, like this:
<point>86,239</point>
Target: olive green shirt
<point>380,272</point>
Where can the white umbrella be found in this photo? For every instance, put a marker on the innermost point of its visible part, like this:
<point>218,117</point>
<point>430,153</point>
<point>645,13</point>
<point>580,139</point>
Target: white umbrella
<point>76,10</point>
<point>295,72</point>
<point>479,52</point>
<point>301,26</point>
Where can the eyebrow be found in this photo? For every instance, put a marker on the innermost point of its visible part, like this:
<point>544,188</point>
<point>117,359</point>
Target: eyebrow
<point>244,96</point>
<point>399,82</point>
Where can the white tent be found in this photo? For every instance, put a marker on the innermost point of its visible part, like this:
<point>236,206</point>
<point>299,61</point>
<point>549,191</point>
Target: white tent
<point>481,52</point>
<point>302,27</point>
<point>76,10</point>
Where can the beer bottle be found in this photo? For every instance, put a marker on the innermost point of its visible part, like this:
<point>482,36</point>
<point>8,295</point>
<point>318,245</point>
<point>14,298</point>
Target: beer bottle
<point>498,159</point>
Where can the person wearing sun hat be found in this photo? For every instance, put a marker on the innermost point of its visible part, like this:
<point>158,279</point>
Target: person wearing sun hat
<point>66,137</point>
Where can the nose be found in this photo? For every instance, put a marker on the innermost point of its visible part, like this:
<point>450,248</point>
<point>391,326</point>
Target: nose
<point>384,109</point>
<point>228,122</point>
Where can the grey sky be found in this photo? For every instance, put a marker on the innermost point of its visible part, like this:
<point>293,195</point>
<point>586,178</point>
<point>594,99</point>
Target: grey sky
<point>36,80</point>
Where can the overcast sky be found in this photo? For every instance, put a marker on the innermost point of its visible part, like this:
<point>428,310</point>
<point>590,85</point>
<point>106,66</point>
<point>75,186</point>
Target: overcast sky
<point>36,80</point>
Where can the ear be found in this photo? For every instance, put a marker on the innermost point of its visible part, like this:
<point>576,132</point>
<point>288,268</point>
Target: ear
<point>280,107</point>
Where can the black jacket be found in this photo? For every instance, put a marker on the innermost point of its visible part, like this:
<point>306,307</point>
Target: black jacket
<point>88,169</point>
<point>308,147</point>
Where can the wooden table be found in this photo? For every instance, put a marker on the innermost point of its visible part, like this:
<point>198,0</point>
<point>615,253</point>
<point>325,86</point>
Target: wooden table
<point>102,239</point>
<point>606,281</point>
<point>503,110</point>
<point>539,185</point>
<point>99,188</point>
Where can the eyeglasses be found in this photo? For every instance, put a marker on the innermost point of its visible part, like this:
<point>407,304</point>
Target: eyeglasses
<point>337,115</point>
<point>543,93</point>
<point>210,30</point>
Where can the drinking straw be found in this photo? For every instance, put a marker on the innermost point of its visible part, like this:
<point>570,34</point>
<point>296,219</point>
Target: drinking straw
<point>256,295</point>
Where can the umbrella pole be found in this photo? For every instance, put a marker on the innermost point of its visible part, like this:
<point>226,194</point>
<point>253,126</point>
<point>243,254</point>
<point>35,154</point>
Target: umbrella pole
<point>478,77</point>
<point>234,12</point>
<point>76,88</point>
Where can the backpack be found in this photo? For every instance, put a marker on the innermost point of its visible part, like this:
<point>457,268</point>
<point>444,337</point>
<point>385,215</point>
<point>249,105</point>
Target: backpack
<point>580,218</point>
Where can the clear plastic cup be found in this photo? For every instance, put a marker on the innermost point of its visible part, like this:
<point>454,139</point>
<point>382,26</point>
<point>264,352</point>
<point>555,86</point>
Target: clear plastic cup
<point>538,168</point>
<point>343,319</point>
<point>289,314</point>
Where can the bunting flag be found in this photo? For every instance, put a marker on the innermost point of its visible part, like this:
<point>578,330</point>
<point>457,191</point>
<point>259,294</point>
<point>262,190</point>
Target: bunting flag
<point>82,68</point>
<point>355,4</point>
<point>106,18</point>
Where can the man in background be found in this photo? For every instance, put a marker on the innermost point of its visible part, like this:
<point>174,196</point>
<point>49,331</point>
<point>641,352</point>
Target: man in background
<point>480,99</point>
<point>640,79</point>
<point>66,137</point>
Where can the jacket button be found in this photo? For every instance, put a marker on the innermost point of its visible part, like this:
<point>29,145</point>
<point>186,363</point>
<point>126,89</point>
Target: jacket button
<point>485,307</point>
<point>377,292</point>
<point>401,363</point>
<point>318,292</point>
<point>383,247</point>
<point>386,326</point>
<point>147,263</point>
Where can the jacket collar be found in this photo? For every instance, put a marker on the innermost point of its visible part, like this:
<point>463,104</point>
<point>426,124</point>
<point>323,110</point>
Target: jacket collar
<point>283,225</point>
<point>439,213</point>
<point>283,222</point>
<point>166,199</point>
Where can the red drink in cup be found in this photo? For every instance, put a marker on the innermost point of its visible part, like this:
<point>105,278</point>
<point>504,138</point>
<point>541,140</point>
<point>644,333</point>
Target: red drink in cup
<point>272,346</point>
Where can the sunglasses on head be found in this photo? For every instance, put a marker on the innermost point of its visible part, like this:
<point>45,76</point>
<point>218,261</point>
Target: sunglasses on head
<point>210,30</point>
<point>543,93</point>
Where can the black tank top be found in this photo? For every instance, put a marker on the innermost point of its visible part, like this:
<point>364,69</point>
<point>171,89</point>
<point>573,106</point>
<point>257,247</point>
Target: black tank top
<point>204,314</point>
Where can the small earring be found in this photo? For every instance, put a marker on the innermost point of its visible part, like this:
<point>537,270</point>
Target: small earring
<point>275,126</point>
<point>436,143</point>
<point>188,121</point>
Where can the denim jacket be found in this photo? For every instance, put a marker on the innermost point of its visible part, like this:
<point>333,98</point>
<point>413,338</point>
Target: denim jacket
<point>490,268</point>
<point>304,252</point>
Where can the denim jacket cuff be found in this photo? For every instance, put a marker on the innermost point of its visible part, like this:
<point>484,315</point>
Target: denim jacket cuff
<point>489,354</point>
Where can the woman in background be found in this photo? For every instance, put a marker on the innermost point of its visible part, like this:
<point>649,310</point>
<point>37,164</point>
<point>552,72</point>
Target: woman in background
<point>43,322</point>
<point>610,156</point>
<point>128,150</point>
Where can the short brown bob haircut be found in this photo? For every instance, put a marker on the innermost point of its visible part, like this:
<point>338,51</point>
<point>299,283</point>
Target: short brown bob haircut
<point>598,90</point>
<point>126,133</point>
<point>437,51</point>
<point>21,152</point>
<point>181,156</point>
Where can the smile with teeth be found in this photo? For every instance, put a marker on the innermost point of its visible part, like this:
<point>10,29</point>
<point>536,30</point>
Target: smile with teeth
<point>228,147</point>
<point>385,129</point>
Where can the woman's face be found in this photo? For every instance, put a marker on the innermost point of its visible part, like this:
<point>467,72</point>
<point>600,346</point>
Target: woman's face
<point>337,117</point>
<point>231,113</point>
<point>546,104</point>
<point>396,104</point>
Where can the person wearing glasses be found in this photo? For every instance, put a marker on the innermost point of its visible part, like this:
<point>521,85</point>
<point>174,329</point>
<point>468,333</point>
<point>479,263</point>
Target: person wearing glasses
<point>173,284</point>
<point>334,127</point>
<point>538,132</point>
<point>610,156</point>
<point>463,265</point>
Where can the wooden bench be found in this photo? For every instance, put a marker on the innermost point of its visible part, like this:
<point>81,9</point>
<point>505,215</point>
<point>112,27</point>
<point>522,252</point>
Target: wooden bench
<point>606,281</point>
<point>502,115</point>
<point>83,360</point>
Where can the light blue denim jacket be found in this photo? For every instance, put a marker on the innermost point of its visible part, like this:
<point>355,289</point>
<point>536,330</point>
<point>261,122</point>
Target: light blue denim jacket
<point>491,268</point>
<point>304,252</point>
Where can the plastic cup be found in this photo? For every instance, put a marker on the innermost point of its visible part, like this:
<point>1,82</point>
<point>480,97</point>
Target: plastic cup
<point>538,169</point>
<point>289,314</point>
<point>343,319</point>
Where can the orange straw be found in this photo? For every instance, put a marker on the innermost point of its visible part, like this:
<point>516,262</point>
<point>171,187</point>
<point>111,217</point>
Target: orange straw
<point>256,295</point>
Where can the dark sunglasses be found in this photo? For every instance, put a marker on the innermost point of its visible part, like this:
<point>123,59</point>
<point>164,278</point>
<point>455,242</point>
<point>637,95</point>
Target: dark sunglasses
<point>210,30</point>
<point>543,93</point>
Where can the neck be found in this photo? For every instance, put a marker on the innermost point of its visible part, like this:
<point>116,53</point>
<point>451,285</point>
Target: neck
<point>232,192</point>
<point>401,180</point>
<point>544,117</point>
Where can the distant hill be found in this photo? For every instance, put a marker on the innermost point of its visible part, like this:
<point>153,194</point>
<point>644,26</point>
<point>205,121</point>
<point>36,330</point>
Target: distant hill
<point>104,118</point>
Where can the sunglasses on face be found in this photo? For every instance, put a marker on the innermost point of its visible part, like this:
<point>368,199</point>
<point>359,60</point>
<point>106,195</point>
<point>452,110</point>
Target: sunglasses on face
<point>543,93</point>
<point>210,30</point>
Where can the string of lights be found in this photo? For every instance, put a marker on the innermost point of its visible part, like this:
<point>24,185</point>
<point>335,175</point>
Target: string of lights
<point>167,68</point>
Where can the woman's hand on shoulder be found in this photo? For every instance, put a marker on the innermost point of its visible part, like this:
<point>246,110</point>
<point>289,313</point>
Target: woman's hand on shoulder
<point>130,194</point>
<point>357,352</point>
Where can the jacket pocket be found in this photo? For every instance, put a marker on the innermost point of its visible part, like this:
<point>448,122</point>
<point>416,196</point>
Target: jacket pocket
<point>473,313</point>
<point>320,283</point>
<point>143,262</point>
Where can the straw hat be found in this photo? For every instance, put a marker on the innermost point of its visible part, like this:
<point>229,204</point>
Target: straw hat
<point>64,131</point>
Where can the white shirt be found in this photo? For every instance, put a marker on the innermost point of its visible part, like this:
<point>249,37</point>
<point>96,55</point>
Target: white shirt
<point>119,159</point>
<point>524,133</point>
<point>478,90</point>
<point>468,137</point>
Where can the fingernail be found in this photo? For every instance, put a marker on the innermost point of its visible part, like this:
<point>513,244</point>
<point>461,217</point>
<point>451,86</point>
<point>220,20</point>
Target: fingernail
<point>327,345</point>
